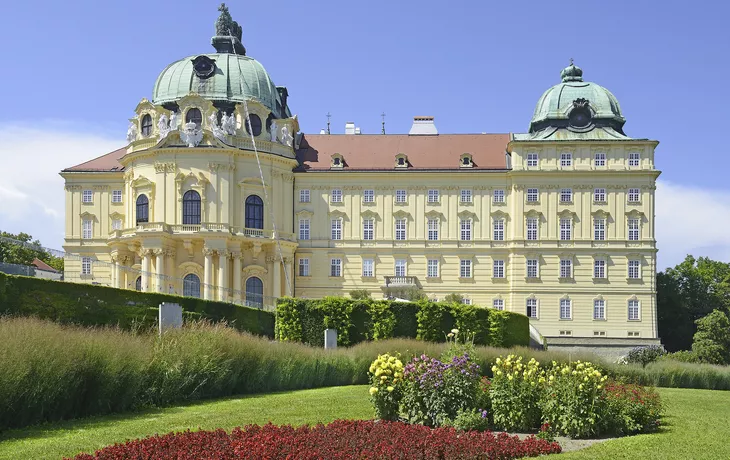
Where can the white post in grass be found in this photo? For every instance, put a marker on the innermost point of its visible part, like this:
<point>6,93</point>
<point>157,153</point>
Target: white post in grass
<point>170,316</point>
<point>330,339</point>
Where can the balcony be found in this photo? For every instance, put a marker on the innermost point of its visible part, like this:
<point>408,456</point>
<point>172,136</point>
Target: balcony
<point>401,281</point>
<point>205,227</point>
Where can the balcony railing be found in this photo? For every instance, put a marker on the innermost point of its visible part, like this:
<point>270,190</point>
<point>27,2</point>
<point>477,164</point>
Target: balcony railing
<point>400,281</point>
<point>144,227</point>
<point>185,228</point>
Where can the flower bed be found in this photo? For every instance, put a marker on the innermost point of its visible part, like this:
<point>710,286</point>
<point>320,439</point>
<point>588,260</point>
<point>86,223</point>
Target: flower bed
<point>341,439</point>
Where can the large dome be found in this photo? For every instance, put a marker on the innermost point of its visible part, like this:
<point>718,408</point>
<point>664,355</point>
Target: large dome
<point>556,106</point>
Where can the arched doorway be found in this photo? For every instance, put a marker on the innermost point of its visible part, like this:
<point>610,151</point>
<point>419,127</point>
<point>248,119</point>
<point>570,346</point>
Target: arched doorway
<point>254,292</point>
<point>191,285</point>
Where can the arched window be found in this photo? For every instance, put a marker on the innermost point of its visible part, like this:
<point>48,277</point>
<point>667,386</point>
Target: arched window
<point>254,292</point>
<point>195,116</point>
<point>191,208</point>
<point>138,283</point>
<point>191,285</point>
<point>146,125</point>
<point>255,124</point>
<point>143,209</point>
<point>254,212</point>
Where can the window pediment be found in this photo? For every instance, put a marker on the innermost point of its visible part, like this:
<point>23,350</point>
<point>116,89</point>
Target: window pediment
<point>191,267</point>
<point>433,214</point>
<point>466,214</point>
<point>601,214</point>
<point>402,215</point>
<point>368,214</point>
<point>635,214</point>
<point>86,215</point>
<point>304,214</point>
<point>499,214</point>
<point>567,214</point>
<point>115,215</point>
<point>142,181</point>
<point>254,270</point>
<point>336,213</point>
<point>534,214</point>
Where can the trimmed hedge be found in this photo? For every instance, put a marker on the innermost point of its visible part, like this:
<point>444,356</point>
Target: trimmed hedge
<point>304,320</point>
<point>93,305</point>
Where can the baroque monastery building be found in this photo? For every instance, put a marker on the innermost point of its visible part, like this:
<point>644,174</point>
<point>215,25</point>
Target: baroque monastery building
<point>556,223</point>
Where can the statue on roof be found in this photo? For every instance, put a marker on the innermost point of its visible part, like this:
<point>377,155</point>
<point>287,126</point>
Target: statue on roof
<point>225,25</point>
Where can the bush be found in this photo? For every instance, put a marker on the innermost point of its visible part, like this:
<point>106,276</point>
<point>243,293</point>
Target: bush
<point>711,343</point>
<point>470,420</point>
<point>386,375</point>
<point>631,408</point>
<point>515,394</point>
<point>683,356</point>
<point>644,355</point>
<point>359,294</point>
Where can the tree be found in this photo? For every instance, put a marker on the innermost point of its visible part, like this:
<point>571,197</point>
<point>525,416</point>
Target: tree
<point>454,298</point>
<point>712,340</point>
<point>360,294</point>
<point>24,254</point>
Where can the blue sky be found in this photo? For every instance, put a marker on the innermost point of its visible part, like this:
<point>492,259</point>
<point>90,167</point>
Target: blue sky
<point>74,71</point>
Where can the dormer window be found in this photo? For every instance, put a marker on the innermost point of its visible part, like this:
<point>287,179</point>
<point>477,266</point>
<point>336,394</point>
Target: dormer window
<point>146,125</point>
<point>466,161</point>
<point>401,160</point>
<point>337,161</point>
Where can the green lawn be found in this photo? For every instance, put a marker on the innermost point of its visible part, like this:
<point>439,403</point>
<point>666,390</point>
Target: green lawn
<point>696,424</point>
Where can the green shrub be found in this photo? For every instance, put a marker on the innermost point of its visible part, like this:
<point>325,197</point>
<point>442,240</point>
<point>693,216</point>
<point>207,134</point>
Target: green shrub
<point>386,386</point>
<point>381,320</point>
<point>683,356</point>
<point>359,294</point>
<point>515,394</point>
<point>711,343</point>
<point>470,420</point>
<point>644,355</point>
<point>630,409</point>
<point>434,321</point>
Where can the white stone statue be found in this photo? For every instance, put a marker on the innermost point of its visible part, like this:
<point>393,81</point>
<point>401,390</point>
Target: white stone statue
<point>286,138</point>
<point>163,127</point>
<point>228,123</point>
<point>213,125</point>
<point>174,121</point>
<point>274,130</point>
<point>191,134</point>
<point>132,132</point>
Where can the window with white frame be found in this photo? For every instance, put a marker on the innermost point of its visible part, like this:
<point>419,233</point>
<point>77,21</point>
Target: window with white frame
<point>465,229</point>
<point>633,195</point>
<point>400,267</point>
<point>87,196</point>
<point>87,229</point>
<point>116,196</point>
<point>465,271</point>
<point>336,267</point>
<point>599,229</point>
<point>532,228</point>
<point>86,265</point>
<point>304,196</point>
<point>566,195</point>
<point>565,309</point>
<point>368,196</point>
<point>433,196</point>
<point>599,195</point>
<point>368,229</point>
<point>368,268</point>
<point>432,268</point>
<point>401,196</point>
<point>498,230</point>
<point>304,229</point>
<point>531,160</point>
<point>599,309</point>
<point>634,311</point>
<point>336,233</point>
<point>465,195</point>
<point>532,308</point>
<point>566,159</point>
<point>633,229</point>
<point>532,268</point>
<point>336,195</point>
<point>566,229</point>
<point>498,304</point>
<point>599,268</point>
<point>400,229</point>
<point>498,196</point>
<point>634,269</point>
<point>465,301</point>
<point>599,159</point>
<point>634,158</point>
<point>532,195</point>
<point>498,269</point>
<point>566,267</point>
<point>117,224</point>
<point>433,229</point>
<point>304,266</point>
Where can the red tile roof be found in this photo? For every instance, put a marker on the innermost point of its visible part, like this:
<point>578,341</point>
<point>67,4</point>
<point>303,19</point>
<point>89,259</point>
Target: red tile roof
<point>377,152</point>
<point>108,162</point>
<point>40,265</point>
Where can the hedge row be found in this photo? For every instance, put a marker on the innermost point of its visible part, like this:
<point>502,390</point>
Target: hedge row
<point>93,305</point>
<point>304,320</point>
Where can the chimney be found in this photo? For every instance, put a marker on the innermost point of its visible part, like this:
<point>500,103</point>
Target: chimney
<point>423,126</point>
<point>350,127</point>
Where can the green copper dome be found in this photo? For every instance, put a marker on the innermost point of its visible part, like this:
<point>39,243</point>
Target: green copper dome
<point>577,104</point>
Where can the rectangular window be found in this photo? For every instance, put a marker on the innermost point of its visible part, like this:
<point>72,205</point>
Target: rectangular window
<point>599,159</point>
<point>566,159</point>
<point>634,158</point>
<point>465,195</point>
<point>116,196</point>
<point>87,229</point>
<point>304,266</point>
<point>117,224</point>
<point>432,268</point>
<point>633,229</point>
<point>634,269</point>
<point>498,269</point>
<point>599,195</point>
<point>86,265</point>
<point>465,229</point>
<point>599,309</point>
<point>303,229</point>
<point>498,196</point>
<point>336,229</point>
<point>532,268</point>
<point>599,268</point>
<point>400,267</point>
<point>634,312</point>
<point>368,229</point>
<point>87,196</point>
<point>634,195</point>
<point>368,196</point>
<point>433,196</point>
<point>532,195</point>
<point>498,304</point>
<point>465,301</point>
<point>400,229</point>
<point>400,196</point>
<point>532,228</point>
<point>565,309</point>
<point>337,195</point>
<point>599,229</point>
<point>465,268</point>
<point>566,268</point>
<point>336,267</point>
<point>433,229</point>
<point>566,229</point>
<point>368,268</point>
<point>532,308</point>
<point>304,196</point>
<point>566,195</point>
<point>499,229</point>
<point>531,160</point>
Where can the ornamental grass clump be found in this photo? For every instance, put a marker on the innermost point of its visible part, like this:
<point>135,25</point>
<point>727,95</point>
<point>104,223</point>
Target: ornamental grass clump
<point>515,392</point>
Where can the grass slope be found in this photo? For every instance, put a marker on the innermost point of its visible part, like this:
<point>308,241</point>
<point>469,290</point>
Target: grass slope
<point>695,425</point>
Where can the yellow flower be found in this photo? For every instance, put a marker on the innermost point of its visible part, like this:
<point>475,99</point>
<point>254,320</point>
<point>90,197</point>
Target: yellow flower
<point>580,387</point>
<point>494,368</point>
<point>450,335</point>
<point>454,331</point>
<point>378,372</point>
<point>509,377</point>
<point>499,372</point>
<point>384,378</point>
<point>390,389</point>
<point>599,387</point>
<point>373,390</point>
<point>499,361</point>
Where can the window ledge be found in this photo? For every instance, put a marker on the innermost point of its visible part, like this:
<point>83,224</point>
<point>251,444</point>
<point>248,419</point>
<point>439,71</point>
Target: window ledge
<point>634,280</point>
<point>117,203</point>
<point>400,203</point>
<point>533,279</point>
<point>369,203</point>
<point>466,203</point>
<point>566,319</point>
<point>634,320</point>
<point>600,203</point>
<point>566,203</point>
<point>600,280</point>
<point>499,203</point>
<point>86,277</point>
<point>433,203</point>
<point>566,280</point>
<point>368,278</point>
<point>537,202</point>
<point>469,279</point>
<point>339,203</point>
<point>599,319</point>
<point>502,279</point>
